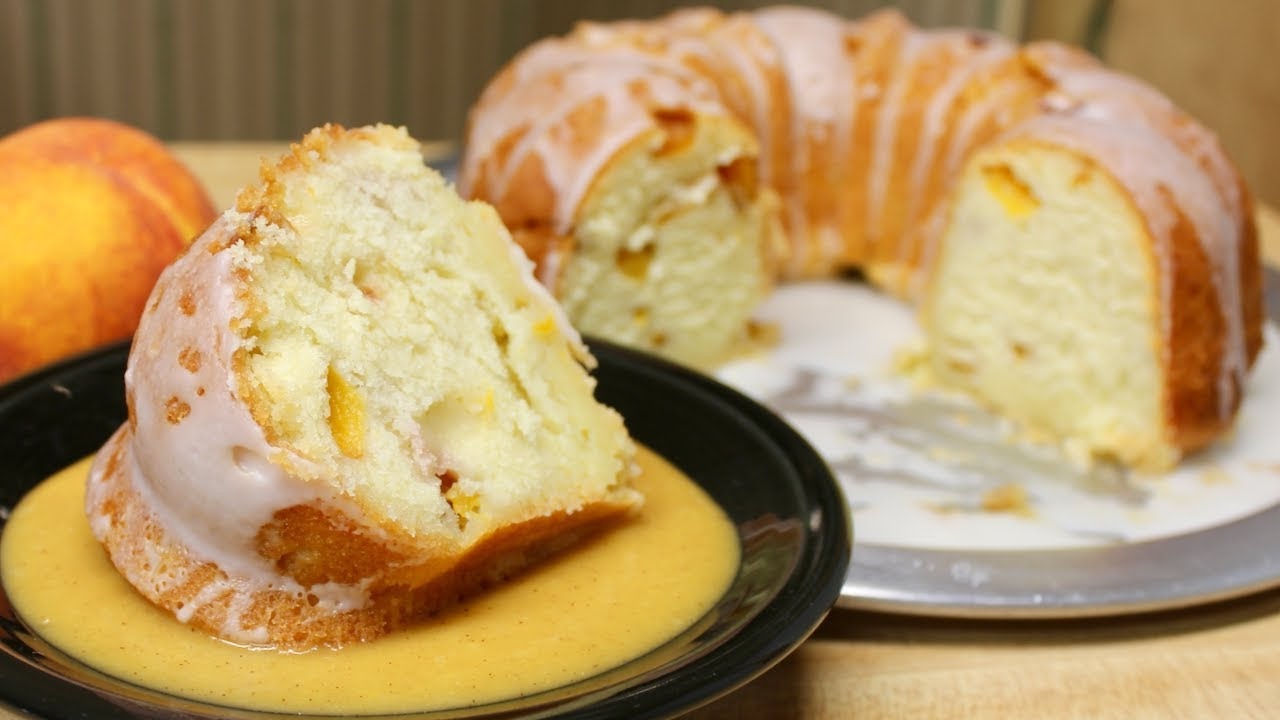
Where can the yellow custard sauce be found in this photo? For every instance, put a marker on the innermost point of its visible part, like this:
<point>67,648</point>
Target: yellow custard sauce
<point>591,609</point>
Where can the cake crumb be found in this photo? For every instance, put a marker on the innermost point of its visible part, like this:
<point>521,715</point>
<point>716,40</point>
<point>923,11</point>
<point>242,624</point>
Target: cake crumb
<point>1031,435</point>
<point>947,454</point>
<point>1010,498</point>
<point>911,362</point>
<point>908,357</point>
<point>758,337</point>
<point>1007,498</point>
<point>1214,475</point>
<point>763,334</point>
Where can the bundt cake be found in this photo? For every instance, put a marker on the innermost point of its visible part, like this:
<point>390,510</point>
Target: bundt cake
<point>350,402</point>
<point>1062,226</point>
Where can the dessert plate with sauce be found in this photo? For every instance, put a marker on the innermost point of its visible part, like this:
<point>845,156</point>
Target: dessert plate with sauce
<point>958,516</point>
<point>785,508</point>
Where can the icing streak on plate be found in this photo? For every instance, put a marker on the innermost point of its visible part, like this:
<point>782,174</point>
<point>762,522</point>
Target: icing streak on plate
<point>931,470</point>
<point>599,605</point>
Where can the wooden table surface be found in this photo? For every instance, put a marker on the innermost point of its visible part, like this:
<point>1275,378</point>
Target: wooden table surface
<point>1221,661</point>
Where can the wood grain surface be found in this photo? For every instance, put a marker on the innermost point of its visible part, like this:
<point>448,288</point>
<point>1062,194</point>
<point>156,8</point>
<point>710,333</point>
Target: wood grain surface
<point>1218,661</point>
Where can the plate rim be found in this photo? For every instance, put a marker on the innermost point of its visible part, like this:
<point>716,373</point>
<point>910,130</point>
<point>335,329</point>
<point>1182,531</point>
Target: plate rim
<point>810,589</point>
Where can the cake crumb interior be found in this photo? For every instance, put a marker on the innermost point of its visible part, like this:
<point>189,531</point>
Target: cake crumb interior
<point>403,351</point>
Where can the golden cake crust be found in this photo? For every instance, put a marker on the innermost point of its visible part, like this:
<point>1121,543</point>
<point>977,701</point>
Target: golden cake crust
<point>315,544</point>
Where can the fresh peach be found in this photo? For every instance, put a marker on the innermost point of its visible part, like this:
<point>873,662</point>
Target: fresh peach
<point>90,212</point>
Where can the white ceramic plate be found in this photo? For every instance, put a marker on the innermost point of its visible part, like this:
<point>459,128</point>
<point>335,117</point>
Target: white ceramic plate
<point>922,472</point>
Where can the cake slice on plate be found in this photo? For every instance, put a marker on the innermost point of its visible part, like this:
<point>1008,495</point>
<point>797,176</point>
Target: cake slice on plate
<point>349,403</point>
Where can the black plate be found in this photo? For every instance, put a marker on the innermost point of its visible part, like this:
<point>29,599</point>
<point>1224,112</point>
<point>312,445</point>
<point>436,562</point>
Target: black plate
<point>792,521</point>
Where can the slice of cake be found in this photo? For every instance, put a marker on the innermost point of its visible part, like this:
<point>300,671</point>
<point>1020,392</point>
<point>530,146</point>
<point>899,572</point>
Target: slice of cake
<point>1090,286</point>
<point>349,403</point>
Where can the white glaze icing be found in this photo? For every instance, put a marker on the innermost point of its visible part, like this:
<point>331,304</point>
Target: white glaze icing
<point>971,120</point>
<point>742,50</point>
<point>940,101</point>
<point>584,75</point>
<point>195,455</point>
<point>821,75</point>
<point>886,131</point>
